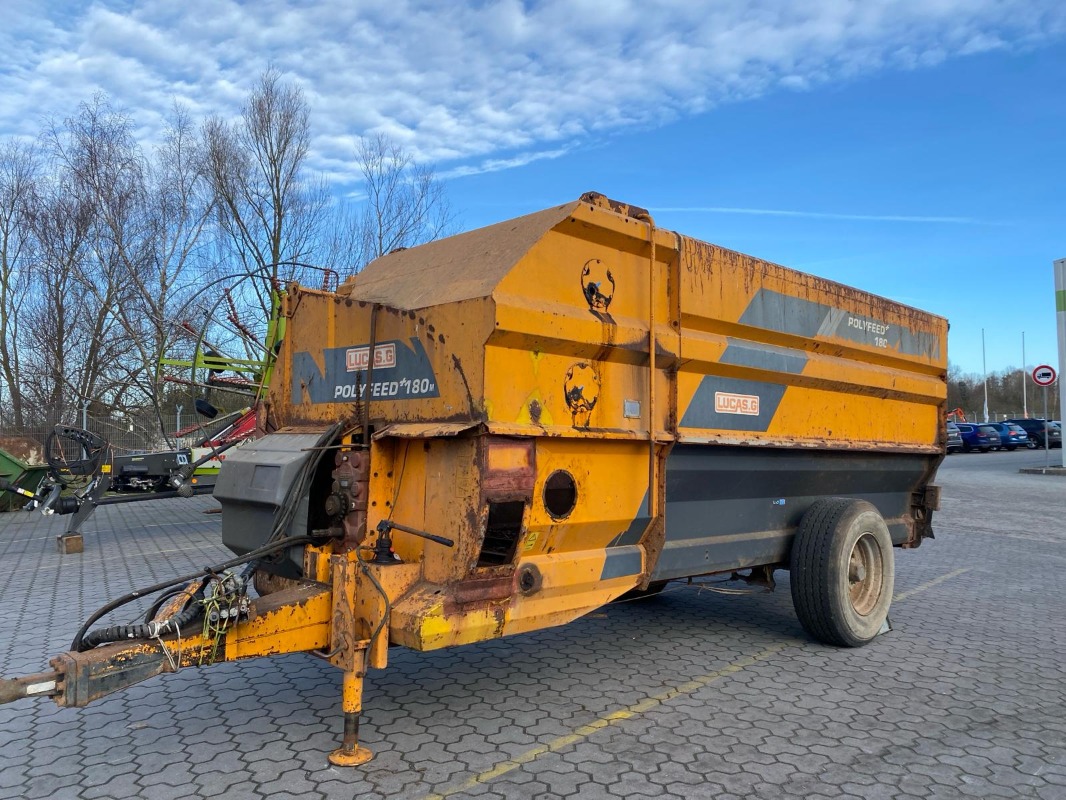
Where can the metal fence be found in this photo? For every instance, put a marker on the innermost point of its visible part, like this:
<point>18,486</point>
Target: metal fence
<point>141,431</point>
<point>975,415</point>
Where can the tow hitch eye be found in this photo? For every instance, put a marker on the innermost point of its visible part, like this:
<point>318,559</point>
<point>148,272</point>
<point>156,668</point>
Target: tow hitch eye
<point>45,684</point>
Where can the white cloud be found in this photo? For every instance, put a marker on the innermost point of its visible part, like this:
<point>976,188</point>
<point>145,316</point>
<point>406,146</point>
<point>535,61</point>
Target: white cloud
<point>479,85</point>
<point>497,164</point>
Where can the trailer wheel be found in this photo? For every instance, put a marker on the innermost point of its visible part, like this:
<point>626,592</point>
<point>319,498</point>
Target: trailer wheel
<point>842,571</point>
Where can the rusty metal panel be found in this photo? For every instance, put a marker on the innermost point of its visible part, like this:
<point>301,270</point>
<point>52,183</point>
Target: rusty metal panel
<point>462,267</point>
<point>508,468</point>
<point>428,363</point>
<point>772,356</point>
<point>584,340</point>
<point>29,451</point>
<point>423,430</point>
<point>569,355</point>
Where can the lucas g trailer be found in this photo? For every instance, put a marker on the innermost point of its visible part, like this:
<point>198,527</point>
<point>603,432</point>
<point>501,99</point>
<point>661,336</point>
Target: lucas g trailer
<point>502,431</point>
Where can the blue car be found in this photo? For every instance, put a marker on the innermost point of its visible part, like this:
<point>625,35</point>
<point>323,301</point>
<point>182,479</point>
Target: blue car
<point>1011,436</point>
<point>978,436</point>
<point>1041,432</point>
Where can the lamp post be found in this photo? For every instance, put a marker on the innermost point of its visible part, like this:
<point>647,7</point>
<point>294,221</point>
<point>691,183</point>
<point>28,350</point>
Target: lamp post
<point>984,369</point>
<point>1025,402</point>
<point>1060,314</point>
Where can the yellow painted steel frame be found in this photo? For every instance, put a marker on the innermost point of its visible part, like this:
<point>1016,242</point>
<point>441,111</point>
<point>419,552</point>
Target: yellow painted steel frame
<point>443,596</point>
<point>295,619</point>
<point>561,355</point>
<point>580,342</point>
<point>598,341</point>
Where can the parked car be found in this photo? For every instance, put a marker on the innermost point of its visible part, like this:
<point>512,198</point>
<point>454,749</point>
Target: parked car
<point>1028,439</point>
<point>1041,432</point>
<point>954,439</point>
<point>1011,435</point>
<point>978,436</point>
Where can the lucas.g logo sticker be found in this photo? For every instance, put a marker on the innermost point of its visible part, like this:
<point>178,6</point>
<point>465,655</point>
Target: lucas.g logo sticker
<point>402,371</point>
<point>729,403</point>
<point>357,359</point>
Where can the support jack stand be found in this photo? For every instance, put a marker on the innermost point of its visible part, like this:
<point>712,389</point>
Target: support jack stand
<point>70,543</point>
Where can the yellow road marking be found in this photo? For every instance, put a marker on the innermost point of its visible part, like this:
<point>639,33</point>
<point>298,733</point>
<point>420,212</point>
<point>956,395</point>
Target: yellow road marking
<point>644,705</point>
<point>605,721</point>
<point>929,585</point>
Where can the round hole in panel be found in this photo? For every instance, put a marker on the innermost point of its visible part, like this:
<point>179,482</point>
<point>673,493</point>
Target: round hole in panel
<point>560,494</point>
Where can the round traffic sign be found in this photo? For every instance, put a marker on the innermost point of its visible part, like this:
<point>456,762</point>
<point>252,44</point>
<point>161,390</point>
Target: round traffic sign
<point>1044,375</point>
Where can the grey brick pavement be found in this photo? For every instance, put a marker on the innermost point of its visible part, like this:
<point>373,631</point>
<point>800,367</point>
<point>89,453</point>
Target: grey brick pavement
<point>964,699</point>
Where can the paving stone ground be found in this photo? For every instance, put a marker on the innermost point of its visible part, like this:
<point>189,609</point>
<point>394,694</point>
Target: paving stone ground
<point>694,694</point>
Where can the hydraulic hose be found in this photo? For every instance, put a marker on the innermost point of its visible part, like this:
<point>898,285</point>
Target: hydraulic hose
<point>150,630</point>
<point>78,645</point>
<point>276,541</point>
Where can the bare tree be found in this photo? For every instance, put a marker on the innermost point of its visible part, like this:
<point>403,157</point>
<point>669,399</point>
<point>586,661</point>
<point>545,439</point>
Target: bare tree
<point>405,205</point>
<point>179,209</point>
<point>56,311</point>
<point>147,218</point>
<point>104,246</point>
<point>18,168</point>
<point>269,210</point>
<point>94,244</point>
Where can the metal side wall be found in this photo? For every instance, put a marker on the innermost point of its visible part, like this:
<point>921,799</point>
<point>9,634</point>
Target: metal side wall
<point>736,507</point>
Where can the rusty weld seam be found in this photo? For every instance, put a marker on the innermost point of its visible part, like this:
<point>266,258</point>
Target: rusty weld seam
<point>607,720</point>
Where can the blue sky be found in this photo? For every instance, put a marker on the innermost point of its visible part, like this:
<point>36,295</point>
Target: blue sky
<point>912,149</point>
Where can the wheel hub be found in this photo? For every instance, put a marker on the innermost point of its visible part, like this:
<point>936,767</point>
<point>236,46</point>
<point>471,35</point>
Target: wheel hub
<point>865,574</point>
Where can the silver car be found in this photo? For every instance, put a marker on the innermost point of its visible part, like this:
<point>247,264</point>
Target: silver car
<point>954,444</point>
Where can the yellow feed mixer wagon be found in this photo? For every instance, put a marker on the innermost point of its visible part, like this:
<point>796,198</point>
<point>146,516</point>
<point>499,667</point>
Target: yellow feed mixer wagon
<point>501,431</point>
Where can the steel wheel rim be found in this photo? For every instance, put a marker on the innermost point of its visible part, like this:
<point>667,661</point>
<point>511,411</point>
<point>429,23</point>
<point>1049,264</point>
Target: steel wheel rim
<point>866,571</point>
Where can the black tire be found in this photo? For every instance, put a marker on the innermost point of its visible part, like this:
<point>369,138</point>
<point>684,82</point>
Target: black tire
<point>1012,449</point>
<point>842,572</point>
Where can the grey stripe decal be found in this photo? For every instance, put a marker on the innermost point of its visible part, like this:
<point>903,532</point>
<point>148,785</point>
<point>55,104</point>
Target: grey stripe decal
<point>780,312</point>
<point>786,314</point>
<point>744,353</point>
<point>635,531</point>
<point>728,507</point>
<point>621,561</point>
<point>701,411</point>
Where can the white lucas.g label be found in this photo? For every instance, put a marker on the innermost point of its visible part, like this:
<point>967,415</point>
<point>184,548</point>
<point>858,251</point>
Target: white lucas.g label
<point>730,403</point>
